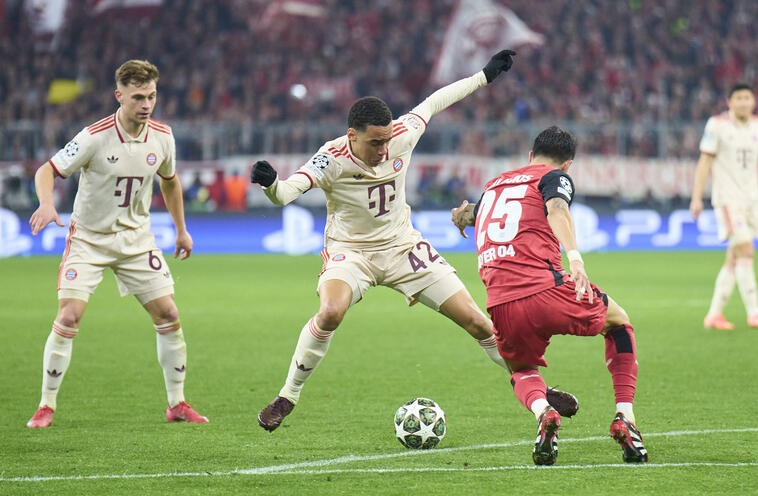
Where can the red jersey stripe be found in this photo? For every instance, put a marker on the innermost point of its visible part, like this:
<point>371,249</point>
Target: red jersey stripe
<point>159,129</point>
<point>102,124</point>
<point>398,133</point>
<point>102,129</point>
<point>308,176</point>
<point>56,169</point>
<point>101,121</point>
<point>422,119</point>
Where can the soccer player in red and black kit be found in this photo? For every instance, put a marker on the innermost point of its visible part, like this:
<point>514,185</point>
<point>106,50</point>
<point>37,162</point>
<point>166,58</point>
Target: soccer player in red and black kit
<point>521,221</point>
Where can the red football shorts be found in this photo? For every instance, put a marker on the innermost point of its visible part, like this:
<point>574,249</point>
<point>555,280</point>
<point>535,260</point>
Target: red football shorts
<point>523,327</point>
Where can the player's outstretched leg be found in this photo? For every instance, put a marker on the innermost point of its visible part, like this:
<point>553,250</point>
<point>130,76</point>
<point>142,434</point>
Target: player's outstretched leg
<point>57,356</point>
<point>628,436</point>
<point>312,345</point>
<point>545,450</point>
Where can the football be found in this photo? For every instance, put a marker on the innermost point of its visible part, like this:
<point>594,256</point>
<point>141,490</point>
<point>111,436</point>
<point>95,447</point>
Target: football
<point>420,424</point>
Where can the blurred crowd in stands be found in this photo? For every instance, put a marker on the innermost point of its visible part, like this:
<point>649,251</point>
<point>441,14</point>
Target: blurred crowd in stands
<point>645,64</point>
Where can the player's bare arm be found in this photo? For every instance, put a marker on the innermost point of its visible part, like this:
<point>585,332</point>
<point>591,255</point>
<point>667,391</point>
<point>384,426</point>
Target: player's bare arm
<point>44,180</point>
<point>704,165</point>
<point>172,195</point>
<point>463,216</point>
<point>562,225</point>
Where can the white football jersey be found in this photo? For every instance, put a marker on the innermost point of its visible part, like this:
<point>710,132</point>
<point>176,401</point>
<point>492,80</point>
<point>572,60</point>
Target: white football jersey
<point>366,205</point>
<point>117,171</point>
<point>734,146</point>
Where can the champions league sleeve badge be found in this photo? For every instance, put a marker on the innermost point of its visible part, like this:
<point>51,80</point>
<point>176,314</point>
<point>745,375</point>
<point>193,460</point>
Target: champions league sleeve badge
<point>71,149</point>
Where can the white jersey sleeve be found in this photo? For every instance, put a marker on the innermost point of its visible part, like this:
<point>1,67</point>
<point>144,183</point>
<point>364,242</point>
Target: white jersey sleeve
<point>75,155</point>
<point>319,172</point>
<point>709,142</point>
<point>448,95</point>
<point>167,169</point>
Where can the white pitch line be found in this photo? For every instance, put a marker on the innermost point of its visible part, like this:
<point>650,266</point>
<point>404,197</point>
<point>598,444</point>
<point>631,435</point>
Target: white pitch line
<point>293,468</point>
<point>515,467</point>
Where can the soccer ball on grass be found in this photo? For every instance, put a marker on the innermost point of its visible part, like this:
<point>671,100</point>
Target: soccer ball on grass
<point>420,424</point>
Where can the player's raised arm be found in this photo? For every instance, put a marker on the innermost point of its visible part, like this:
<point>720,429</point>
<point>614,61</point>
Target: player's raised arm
<point>454,92</point>
<point>44,180</point>
<point>279,192</point>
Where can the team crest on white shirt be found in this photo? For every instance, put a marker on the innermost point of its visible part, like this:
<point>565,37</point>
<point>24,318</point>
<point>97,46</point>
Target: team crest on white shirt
<point>397,164</point>
<point>151,158</point>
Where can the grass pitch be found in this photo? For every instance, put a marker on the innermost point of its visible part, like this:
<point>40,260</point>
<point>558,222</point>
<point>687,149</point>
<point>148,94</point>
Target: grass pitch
<point>241,316</point>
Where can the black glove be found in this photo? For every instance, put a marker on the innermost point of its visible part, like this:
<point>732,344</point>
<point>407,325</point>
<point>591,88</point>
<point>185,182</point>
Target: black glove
<point>263,174</point>
<point>500,62</point>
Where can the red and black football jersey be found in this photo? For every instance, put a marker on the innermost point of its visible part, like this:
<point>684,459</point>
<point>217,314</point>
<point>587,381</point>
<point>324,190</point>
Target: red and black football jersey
<point>518,255</point>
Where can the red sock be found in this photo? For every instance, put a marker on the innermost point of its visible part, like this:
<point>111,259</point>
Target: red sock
<point>621,360</point>
<point>529,386</point>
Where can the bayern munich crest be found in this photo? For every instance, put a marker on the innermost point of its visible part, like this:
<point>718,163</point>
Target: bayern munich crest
<point>151,158</point>
<point>397,164</point>
<point>338,257</point>
<point>71,274</point>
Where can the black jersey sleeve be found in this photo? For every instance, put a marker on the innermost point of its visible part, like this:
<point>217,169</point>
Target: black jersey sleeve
<point>556,183</point>
<point>476,207</point>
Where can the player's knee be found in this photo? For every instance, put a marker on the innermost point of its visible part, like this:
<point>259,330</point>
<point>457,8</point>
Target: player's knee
<point>478,325</point>
<point>743,250</point>
<point>166,314</point>
<point>68,317</point>
<point>330,316</point>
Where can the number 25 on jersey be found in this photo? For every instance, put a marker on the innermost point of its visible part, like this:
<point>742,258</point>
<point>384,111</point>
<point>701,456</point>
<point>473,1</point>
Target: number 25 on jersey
<point>499,216</point>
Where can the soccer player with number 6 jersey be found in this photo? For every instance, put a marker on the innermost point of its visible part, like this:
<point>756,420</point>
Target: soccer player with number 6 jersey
<point>369,239</point>
<point>521,221</point>
<point>118,157</point>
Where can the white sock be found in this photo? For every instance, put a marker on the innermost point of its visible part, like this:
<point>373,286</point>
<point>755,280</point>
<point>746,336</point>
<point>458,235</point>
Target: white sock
<point>55,360</point>
<point>745,275</point>
<point>311,348</point>
<point>489,346</point>
<point>538,406</point>
<point>172,356</point>
<point>626,409</point>
<point>723,290</point>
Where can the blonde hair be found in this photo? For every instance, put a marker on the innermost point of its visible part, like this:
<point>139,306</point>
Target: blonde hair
<point>136,71</point>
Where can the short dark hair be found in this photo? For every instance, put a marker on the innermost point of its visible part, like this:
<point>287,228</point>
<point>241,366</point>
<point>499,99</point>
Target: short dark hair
<point>368,111</point>
<point>555,143</point>
<point>738,87</point>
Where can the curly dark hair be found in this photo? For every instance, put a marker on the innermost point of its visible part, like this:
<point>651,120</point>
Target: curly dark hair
<point>368,111</point>
<point>555,143</point>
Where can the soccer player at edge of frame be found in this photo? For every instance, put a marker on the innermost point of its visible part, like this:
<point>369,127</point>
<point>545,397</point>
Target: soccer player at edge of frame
<point>369,239</point>
<point>118,157</point>
<point>729,147</point>
<point>519,222</point>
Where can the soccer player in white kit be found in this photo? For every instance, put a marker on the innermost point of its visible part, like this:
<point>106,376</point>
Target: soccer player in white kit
<point>730,149</point>
<point>118,157</point>
<point>369,239</point>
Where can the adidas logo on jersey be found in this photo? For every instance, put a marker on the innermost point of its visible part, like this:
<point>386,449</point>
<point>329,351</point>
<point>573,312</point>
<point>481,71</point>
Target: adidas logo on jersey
<point>112,159</point>
<point>358,177</point>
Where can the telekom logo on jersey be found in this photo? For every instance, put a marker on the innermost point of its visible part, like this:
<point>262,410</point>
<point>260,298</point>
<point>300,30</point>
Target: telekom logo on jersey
<point>384,196</point>
<point>127,192</point>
